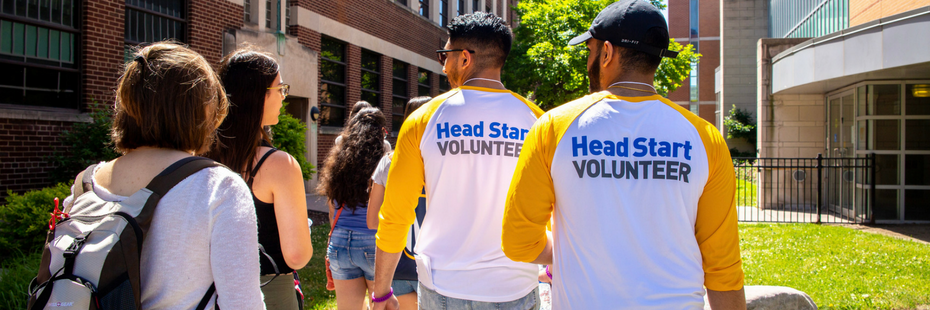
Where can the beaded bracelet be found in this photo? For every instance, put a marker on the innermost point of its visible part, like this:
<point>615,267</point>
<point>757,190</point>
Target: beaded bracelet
<point>382,298</point>
<point>548,273</point>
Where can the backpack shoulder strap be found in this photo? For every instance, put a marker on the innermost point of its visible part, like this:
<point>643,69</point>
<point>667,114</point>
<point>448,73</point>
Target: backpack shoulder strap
<point>206,298</point>
<point>166,180</point>
<point>86,179</point>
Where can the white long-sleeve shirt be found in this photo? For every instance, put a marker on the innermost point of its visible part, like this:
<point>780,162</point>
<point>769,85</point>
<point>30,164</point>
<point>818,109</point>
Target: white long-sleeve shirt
<point>204,231</point>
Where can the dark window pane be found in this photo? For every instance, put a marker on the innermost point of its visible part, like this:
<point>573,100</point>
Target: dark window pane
<point>42,43</point>
<point>400,88</point>
<point>423,90</point>
<point>33,9</point>
<point>886,169</point>
<point>20,7</point>
<point>12,75</point>
<point>886,134</point>
<point>422,76</point>
<point>886,204</point>
<point>885,99</point>
<point>333,50</point>
<point>45,10</point>
<point>66,47</point>
<point>400,70</point>
<point>917,132</point>
<point>19,34</point>
<point>396,122</point>
<point>371,61</point>
<point>333,71</point>
<point>917,170</point>
<point>373,98</point>
<point>31,33</point>
<point>67,13</point>
<point>371,81</point>
<point>332,94</point>
<point>41,78</point>
<point>398,104</point>
<point>6,37</point>
<point>918,99</point>
<point>444,83</point>
<point>8,6</point>
<point>11,96</point>
<point>916,207</point>
<point>332,116</point>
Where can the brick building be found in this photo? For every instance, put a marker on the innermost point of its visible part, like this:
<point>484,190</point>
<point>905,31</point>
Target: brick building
<point>58,58</point>
<point>697,23</point>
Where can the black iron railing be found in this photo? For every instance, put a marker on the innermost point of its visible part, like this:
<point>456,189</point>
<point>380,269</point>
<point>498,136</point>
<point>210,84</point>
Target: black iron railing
<point>805,190</point>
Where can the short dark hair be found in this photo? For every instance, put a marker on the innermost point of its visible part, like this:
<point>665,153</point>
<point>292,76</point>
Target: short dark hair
<point>485,33</point>
<point>168,97</point>
<point>642,62</point>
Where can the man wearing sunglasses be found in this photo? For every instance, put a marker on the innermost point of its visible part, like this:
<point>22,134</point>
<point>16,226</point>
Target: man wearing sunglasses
<point>463,146</point>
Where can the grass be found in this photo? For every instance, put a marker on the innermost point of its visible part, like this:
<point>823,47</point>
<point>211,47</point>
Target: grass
<point>313,276</point>
<point>840,268</point>
<point>16,272</point>
<point>745,193</point>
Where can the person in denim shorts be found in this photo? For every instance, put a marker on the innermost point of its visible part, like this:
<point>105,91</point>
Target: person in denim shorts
<point>345,181</point>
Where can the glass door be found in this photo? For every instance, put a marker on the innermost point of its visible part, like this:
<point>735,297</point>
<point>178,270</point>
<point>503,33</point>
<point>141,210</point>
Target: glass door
<point>839,176</point>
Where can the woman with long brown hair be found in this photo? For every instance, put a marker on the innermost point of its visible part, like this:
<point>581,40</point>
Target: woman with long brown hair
<point>345,182</point>
<point>256,92</point>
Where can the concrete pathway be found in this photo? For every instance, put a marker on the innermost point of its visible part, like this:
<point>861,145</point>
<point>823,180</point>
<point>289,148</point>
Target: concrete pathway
<point>317,203</point>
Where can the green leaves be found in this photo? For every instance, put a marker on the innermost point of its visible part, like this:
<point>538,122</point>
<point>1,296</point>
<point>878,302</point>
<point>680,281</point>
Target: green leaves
<point>289,135</point>
<point>739,124</point>
<point>546,70</point>
<point>86,144</point>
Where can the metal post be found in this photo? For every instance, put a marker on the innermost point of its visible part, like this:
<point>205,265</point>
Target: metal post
<point>872,188</point>
<point>819,185</point>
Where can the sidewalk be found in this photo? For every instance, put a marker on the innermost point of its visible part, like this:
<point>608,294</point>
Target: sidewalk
<point>317,203</point>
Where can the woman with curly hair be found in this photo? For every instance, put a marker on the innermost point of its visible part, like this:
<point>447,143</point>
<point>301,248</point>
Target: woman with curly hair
<point>345,180</point>
<point>256,92</point>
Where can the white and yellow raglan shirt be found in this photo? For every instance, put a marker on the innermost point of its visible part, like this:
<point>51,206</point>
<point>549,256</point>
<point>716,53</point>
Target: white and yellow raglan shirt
<point>641,194</point>
<point>463,146</point>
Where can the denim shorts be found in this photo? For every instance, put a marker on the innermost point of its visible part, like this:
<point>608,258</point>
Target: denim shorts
<point>351,255</point>
<point>404,287</point>
<point>430,299</point>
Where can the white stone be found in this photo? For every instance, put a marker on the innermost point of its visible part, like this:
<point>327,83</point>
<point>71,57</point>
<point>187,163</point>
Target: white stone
<point>761,297</point>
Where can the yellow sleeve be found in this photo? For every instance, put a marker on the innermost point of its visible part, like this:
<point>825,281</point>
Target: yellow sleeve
<point>531,195</point>
<point>716,227</point>
<point>405,180</point>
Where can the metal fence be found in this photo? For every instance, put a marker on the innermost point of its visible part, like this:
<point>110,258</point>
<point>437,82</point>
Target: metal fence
<point>805,190</point>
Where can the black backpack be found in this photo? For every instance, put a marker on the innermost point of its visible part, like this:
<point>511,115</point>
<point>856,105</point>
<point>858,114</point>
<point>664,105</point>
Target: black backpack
<point>92,256</point>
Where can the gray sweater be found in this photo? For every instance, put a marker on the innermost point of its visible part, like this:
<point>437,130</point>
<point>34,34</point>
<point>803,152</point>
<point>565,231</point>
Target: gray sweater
<point>203,231</point>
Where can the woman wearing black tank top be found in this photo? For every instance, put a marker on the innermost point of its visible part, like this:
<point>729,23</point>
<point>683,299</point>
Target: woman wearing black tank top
<point>256,93</point>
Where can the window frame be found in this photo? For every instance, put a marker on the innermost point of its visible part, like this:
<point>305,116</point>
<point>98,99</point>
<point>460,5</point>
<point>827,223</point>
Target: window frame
<point>378,93</point>
<point>345,69</point>
<point>424,8</point>
<point>395,112</point>
<point>74,68</point>
<point>443,12</point>
<point>428,86</point>
<point>185,26</point>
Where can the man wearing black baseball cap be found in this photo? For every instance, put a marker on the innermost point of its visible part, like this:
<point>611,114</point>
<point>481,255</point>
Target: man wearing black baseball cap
<point>640,191</point>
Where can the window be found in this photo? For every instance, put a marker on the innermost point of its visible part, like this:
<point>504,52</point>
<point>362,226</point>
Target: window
<point>443,12</point>
<point>333,83</point>
<point>287,13</point>
<point>488,9</point>
<point>153,21</point>
<point>474,6</point>
<point>400,94</point>
<point>371,78</point>
<point>424,8</point>
<point>423,83</point>
<point>38,46</point>
<point>247,5</point>
<point>444,84</point>
<point>402,2</point>
<point>460,7</point>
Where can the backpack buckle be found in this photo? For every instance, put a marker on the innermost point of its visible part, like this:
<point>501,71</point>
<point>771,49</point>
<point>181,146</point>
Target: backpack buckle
<point>75,246</point>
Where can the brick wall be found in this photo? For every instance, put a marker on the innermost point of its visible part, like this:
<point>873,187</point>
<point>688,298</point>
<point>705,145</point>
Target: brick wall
<point>207,21</point>
<point>383,19</point>
<point>24,147</point>
<point>102,43</point>
<point>863,11</point>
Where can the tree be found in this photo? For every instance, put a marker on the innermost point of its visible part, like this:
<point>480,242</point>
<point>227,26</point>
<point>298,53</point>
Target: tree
<point>545,69</point>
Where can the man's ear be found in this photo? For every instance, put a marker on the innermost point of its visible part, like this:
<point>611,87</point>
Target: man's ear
<point>467,59</point>
<point>609,53</point>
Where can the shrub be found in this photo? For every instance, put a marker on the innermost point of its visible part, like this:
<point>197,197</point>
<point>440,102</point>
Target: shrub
<point>739,124</point>
<point>87,143</point>
<point>24,218</point>
<point>289,135</point>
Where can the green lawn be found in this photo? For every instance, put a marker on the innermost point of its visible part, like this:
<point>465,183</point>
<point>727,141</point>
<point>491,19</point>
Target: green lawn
<point>313,276</point>
<point>840,268</point>
<point>745,193</point>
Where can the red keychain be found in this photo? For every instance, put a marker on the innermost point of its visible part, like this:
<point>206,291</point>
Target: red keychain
<point>57,215</point>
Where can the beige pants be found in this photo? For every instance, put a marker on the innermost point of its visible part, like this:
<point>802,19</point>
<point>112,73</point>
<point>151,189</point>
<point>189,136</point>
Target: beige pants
<point>280,293</point>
